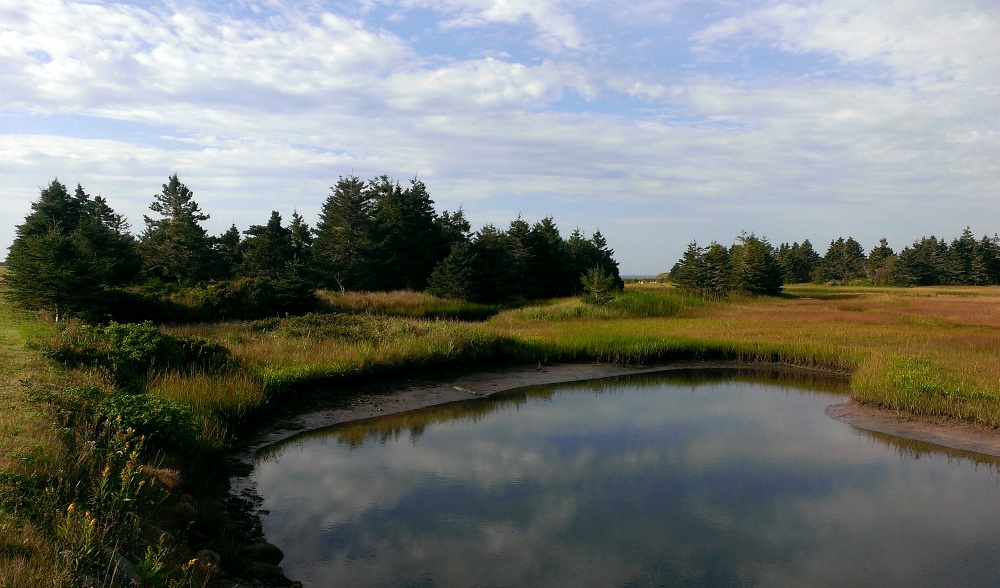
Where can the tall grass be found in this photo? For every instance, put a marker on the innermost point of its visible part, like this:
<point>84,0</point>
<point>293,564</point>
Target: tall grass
<point>406,303</point>
<point>953,337</point>
<point>31,453</point>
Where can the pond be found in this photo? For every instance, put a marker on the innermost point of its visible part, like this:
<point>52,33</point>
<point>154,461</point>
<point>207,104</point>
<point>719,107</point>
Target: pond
<point>683,478</point>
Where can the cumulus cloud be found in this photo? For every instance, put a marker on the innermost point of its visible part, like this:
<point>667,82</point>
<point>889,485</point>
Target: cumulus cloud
<point>922,42</point>
<point>713,119</point>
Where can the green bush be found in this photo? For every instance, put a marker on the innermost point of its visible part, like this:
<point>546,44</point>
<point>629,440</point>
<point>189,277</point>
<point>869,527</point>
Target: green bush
<point>164,423</point>
<point>128,353</point>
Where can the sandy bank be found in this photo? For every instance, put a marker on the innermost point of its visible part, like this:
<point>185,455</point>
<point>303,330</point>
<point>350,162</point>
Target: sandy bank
<point>948,433</point>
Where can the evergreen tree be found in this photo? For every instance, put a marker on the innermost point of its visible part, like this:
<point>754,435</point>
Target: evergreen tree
<point>453,228</point>
<point>844,261</point>
<point>716,270</point>
<point>176,247</point>
<point>881,265</point>
<point>301,238</point>
<point>754,268</point>
<point>551,270</point>
<point>68,251</point>
<point>342,248</point>
<point>967,261</point>
<point>520,259</point>
<point>408,240</point>
<point>586,254</point>
<point>798,262</point>
<point>990,250</point>
<point>454,276</point>
<point>227,246</point>
<point>493,267</point>
<point>923,263</point>
<point>598,286</point>
<point>267,249</point>
<point>689,273</point>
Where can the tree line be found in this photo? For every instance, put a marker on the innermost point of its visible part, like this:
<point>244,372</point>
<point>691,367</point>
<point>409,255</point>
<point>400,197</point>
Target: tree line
<point>754,266</point>
<point>74,255</point>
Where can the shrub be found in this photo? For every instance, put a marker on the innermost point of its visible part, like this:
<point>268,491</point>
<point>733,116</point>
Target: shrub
<point>164,423</point>
<point>128,353</point>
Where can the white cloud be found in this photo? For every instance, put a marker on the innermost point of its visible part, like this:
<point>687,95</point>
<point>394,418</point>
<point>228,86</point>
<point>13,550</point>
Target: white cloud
<point>885,107</point>
<point>922,42</point>
<point>119,56</point>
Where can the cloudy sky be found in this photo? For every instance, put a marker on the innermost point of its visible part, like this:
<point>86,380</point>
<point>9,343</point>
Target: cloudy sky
<point>655,121</point>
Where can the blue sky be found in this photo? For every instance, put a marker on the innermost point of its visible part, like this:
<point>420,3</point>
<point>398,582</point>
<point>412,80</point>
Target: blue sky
<point>657,122</point>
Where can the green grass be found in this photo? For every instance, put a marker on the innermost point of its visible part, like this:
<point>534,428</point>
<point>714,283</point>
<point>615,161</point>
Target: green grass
<point>853,330</point>
<point>405,303</point>
<point>31,452</point>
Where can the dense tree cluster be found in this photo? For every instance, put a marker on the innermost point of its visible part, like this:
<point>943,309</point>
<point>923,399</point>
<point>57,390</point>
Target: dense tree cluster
<point>73,251</point>
<point>752,265</point>
<point>68,251</point>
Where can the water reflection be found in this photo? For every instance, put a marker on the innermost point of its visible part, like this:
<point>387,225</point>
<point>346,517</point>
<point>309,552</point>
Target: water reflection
<point>707,479</point>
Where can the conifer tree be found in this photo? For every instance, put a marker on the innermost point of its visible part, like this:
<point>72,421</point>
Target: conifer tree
<point>68,251</point>
<point>342,248</point>
<point>175,246</point>
<point>754,267</point>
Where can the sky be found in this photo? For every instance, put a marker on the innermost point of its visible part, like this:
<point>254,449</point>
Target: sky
<point>657,122</point>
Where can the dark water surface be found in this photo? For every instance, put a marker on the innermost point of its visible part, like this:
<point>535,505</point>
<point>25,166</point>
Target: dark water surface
<point>707,478</point>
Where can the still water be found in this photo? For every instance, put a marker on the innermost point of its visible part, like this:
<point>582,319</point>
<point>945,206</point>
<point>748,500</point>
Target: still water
<point>707,478</point>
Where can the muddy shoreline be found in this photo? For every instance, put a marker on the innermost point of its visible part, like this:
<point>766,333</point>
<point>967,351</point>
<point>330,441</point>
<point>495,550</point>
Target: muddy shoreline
<point>401,394</point>
<point>422,390</point>
<point>951,434</point>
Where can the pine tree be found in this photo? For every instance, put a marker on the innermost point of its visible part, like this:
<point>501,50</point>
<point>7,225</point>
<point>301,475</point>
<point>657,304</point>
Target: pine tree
<point>754,268</point>
<point>342,248</point>
<point>68,252</point>
<point>880,267</point>
<point>844,261</point>
<point>689,272</point>
<point>454,277</point>
<point>176,247</point>
<point>266,250</point>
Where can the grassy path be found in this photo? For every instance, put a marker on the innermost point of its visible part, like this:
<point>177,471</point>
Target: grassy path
<point>30,452</point>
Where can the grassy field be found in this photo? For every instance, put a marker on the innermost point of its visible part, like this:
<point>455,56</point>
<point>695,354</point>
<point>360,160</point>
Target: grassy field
<point>926,351</point>
<point>929,351</point>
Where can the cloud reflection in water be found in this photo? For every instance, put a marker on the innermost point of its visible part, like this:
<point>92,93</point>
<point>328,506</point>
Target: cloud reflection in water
<point>663,480</point>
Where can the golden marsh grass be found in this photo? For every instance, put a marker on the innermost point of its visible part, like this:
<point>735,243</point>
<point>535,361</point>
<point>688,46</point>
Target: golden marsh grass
<point>928,351</point>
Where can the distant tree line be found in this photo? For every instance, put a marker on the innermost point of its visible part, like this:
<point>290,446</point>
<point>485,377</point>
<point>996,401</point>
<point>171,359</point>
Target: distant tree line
<point>752,265</point>
<point>74,255</point>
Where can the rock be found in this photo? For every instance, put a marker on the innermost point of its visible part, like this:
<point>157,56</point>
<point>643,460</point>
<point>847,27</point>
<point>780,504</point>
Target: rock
<point>263,552</point>
<point>122,569</point>
<point>267,572</point>
<point>208,557</point>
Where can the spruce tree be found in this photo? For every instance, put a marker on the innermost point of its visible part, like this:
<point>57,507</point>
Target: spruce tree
<point>175,247</point>
<point>68,251</point>
<point>342,247</point>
